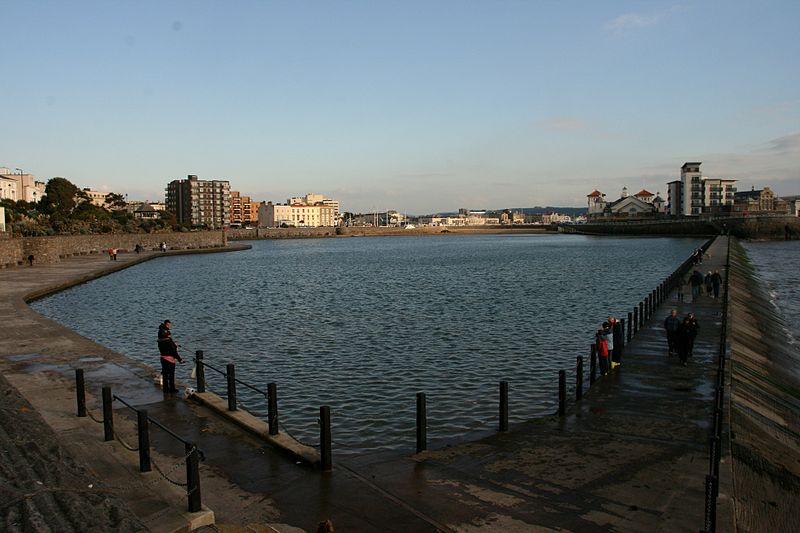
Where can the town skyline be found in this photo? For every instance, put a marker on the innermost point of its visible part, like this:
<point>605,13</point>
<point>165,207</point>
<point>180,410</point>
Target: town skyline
<point>411,107</point>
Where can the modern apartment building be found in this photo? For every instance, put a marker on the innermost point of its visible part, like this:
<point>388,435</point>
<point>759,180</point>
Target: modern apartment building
<point>295,215</point>
<point>242,209</point>
<point>200,202</point>
<point>694,194</point>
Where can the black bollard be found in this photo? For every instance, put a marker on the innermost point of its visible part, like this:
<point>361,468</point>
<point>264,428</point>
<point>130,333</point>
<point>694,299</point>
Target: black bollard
<point>622,333</point>
<point>592,364</point>
<point>653,302</point>
<point>272,408</point>
<point>504,406</point>
<point>230,372</point>
<point>80,392</point>
<point>641,314</point>
<point>579,379</point>
<point>635,319</point>
<point>325,454</point>
<point>422,423</point>
<point>108,415</point>
<point>201,371</point>
<point>143,429</point>
<point>630,320</point>
<point>562,392</point>
<point>193,477</point>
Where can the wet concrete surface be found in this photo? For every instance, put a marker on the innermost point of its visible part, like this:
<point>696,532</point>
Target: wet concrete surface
<point>631,456</point>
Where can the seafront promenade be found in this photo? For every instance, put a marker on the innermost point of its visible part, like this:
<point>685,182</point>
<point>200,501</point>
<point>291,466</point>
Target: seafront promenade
<point>632,455</point>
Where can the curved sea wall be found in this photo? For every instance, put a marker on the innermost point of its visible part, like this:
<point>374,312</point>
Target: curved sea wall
<point>764,406</point>
<point>752,227</point>
<point>14,252</point>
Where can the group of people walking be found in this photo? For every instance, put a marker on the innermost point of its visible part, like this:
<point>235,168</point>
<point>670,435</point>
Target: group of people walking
<point>681,335</point>
<point>712,281</point>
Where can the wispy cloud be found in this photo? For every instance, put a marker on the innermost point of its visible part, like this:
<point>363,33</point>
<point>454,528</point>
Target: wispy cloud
<point>564,124</point>
<point>785,145</point>
<point>633,21</point>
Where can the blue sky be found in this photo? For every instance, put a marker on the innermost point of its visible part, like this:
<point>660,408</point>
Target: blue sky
<point>416,106</point>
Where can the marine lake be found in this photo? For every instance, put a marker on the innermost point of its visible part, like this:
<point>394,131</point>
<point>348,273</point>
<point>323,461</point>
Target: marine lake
<point>363,324</point>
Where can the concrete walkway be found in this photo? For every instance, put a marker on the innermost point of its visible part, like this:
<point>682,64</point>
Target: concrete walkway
<point>631,456</point>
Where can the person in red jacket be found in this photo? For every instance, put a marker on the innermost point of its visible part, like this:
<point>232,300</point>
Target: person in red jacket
<point>602,351</point>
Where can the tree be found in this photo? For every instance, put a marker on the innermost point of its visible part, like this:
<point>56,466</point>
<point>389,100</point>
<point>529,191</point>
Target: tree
<point>61,196</point>
<point>116,200</point>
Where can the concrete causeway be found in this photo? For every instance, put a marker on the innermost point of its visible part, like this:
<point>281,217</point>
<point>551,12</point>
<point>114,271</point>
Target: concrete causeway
<point>631,456</point>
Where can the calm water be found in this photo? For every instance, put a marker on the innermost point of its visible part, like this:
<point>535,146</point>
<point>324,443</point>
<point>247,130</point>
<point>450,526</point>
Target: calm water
<point>776,265</point>
<point>362,324</point>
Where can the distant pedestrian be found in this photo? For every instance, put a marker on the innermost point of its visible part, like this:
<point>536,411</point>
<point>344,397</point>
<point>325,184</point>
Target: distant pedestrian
<point>114,253</point>
<point>683,340</point>
<point>716,282</point>
<point>708,280</point>
<point>602,351</point>
<point>137,248</point>
<point>608,334</point>
<point>163,246</point>
<point>700,256</point>
<point>110,254</point>
<point>693,327</point>
<point>30,260</point>
<point>671,325</point>
<point>169,356</point>
<point>696,281</point>
<point>616,335</point>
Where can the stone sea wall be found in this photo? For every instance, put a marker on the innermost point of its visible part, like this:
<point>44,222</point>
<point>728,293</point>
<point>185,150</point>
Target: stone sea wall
<point>764,406</point>
<point>316,233</point>
<point>14,252</point>
<point>753,227</point>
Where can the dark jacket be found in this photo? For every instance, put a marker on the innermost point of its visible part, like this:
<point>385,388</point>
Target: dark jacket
<point>716,279</point>
<point>691,326</point>
<point>672,324</point>
<point>167,346</point>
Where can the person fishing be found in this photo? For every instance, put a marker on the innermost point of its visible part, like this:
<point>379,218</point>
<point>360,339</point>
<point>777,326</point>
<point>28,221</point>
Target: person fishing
<point>169,356</point>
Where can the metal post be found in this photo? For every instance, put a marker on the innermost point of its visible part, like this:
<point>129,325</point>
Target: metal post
<point>711,505</point>
<point>80,392</point>
<point>592,364</point>
<point>641,314</point>
<point>325,454</point>
<point>622,333</point>
<point>108,415</point>
<point>630,320</point>
<point>579,379</point>
<point>653,302</point>
<point>635,319</point>
<point>272,408</point>
<point>562,392</point>
<point>504,406</point>
<point>193,477</point>
<point>201,371</point>
<point>422,423</point>
<point>230,372</point>
<point>143,428</point>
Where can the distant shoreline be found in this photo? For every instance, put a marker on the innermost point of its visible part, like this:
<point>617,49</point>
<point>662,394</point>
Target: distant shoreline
<point>367,231</point>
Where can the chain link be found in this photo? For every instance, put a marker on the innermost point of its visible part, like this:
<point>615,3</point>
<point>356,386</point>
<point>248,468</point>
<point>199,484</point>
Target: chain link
<point>125,444</point>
